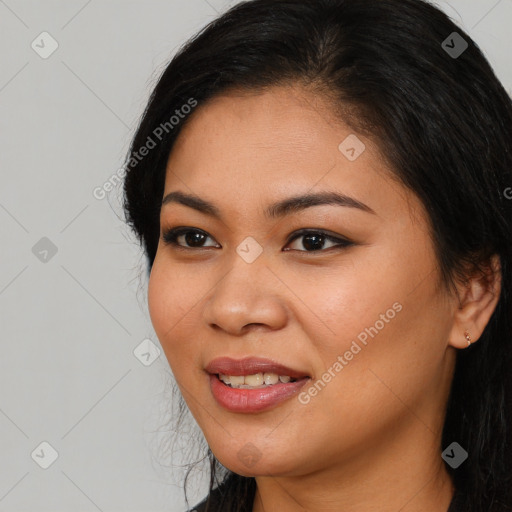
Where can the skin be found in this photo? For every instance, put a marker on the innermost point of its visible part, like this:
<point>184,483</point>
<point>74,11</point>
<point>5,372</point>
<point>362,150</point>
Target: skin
<point>370,440</point>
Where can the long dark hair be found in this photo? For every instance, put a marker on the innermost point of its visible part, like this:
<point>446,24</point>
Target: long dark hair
<point>393,70</point>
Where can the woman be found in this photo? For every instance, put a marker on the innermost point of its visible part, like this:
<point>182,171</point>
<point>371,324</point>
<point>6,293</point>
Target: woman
<point>321,192</point>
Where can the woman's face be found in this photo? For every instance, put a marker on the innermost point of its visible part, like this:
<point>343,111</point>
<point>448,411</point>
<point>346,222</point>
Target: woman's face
<point>366,322</point>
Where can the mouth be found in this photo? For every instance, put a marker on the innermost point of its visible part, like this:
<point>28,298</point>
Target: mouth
<point>253,384</point>
<point>254,381</point>
<point>251,366</point>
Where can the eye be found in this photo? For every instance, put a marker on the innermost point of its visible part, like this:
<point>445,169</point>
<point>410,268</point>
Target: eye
<point>313,240</point>
<point>194,237</point>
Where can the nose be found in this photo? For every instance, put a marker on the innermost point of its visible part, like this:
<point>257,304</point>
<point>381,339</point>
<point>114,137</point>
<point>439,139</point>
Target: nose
<point>249,297</point>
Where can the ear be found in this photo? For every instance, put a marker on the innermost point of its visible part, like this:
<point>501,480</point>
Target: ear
<point>477,298</point>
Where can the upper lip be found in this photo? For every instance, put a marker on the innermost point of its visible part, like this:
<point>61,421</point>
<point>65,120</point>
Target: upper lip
<point>251,366</point>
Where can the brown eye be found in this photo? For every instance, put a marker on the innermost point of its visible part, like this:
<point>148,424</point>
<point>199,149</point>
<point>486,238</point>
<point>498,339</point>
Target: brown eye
<point>314,241</point>
<point>193,238</point>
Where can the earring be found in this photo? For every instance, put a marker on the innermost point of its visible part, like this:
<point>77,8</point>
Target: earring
<point>468,337</point>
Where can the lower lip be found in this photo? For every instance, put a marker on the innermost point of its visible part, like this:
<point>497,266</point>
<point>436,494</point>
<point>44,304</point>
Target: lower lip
<point>253,400</point>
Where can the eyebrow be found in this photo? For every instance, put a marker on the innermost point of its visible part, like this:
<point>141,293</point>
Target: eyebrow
<point>276,210</point>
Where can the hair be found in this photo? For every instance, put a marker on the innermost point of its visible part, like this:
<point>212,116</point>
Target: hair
<point>443,123</point>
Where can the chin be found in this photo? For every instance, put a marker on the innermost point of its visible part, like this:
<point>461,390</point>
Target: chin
<point>249,461</point>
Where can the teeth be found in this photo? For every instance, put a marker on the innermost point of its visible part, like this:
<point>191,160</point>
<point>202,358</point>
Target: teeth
<point>254,380</point>
<point>236,380</point>
<point>258,380</point>
<point>271,378</point>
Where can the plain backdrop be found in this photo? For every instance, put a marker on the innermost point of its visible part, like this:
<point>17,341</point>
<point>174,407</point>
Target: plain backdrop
<point>83,386</point>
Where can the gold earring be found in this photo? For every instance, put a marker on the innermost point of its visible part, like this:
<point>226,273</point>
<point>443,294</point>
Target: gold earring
<point>468,337</point>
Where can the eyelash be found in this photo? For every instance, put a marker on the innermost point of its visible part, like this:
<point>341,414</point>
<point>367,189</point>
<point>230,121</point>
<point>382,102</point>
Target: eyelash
<point>170,238</point>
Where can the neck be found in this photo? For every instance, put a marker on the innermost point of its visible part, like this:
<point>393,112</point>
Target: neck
<point>406,476</point>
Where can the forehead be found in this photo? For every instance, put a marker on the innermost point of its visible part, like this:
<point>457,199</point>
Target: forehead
<point>284,121</point>
<point>281,142</point>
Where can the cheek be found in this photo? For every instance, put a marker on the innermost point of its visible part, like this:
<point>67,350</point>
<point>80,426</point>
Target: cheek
<point>170,305</point>
<point>159,300</point>
<point>345,302</point>
<point>372,310</point>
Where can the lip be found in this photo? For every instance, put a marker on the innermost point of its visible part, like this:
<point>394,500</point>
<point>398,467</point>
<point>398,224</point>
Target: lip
<point>252,400</point>
<point>250,366</point>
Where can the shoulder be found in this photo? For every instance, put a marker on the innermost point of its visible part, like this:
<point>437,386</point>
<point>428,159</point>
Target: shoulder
<point>457,502</point>
<point>201,507</point>
<point>221,498</point>
<point>215,498</point>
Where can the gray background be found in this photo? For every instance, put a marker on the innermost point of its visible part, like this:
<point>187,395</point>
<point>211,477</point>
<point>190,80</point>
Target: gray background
<point>75,369</point>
